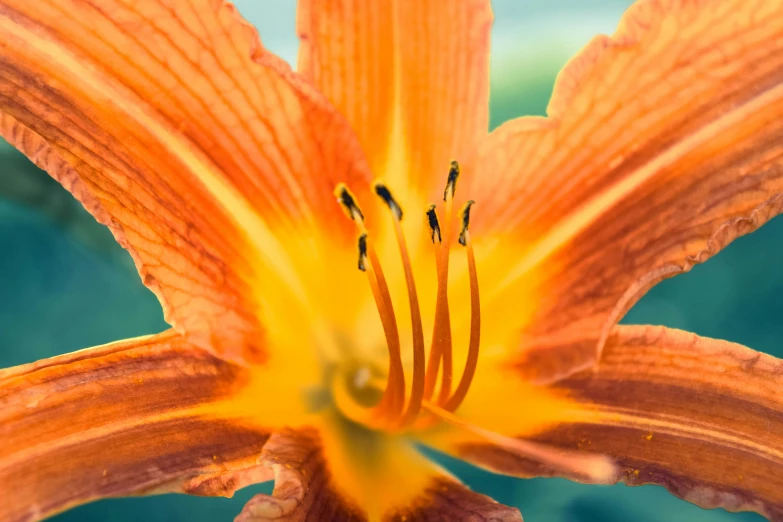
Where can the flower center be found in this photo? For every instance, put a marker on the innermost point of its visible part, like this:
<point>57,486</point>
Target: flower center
<point>397,408</point>
<point>381,401</point>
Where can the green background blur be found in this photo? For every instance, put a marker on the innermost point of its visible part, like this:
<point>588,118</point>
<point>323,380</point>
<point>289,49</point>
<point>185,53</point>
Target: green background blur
<point>65,284</point>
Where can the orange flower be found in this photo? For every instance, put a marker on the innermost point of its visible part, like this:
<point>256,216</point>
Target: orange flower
<point>215,166</point>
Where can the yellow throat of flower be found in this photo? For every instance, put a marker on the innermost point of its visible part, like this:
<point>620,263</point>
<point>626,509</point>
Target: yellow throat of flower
<point>406,388</point>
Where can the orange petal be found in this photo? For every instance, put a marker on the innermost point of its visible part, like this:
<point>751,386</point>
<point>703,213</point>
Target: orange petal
<point>302,490</point>
<point>446,499</point>
<point>306,489</point>
<point>526,411</point>
<point>121,419</point>
<point>664,143</point>
<point>412,77</point>
<point>198,148</point>
<point>704,418</point>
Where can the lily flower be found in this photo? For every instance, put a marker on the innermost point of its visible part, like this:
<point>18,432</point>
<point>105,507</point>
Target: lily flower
<point>318,342</point>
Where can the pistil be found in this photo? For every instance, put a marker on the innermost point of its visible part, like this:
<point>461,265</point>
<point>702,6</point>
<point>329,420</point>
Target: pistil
<point>597,468</point>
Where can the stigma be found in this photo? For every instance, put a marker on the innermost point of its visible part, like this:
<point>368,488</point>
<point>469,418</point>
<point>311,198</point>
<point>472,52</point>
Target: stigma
<point>430,389</point>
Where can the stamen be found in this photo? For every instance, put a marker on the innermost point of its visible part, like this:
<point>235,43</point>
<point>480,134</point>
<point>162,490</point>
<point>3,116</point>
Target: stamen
<point>451,182</point>
<point>433,362</point>
<point>441,336</point>
<point>393,399</point>
<point>596,468</point>
<point>389,323</point>
<point>417,389</point>
<point>448,198</point>
<point>475,317</point>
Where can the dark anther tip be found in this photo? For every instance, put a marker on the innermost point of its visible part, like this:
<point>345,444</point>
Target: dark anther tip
<point>346,199</point>
<point>363,252</point>
<point>451,181</point>
<point>432,218</point>
<point>385,194</point>
<point>465,222</point>
<point>466,214</point>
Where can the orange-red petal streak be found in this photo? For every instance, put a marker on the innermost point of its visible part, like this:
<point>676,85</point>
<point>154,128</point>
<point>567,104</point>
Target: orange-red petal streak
<point>664,143</point>
<point>176,128</point>
<point>117,420</point>
<point>411,76</point>
<point>704,418</point>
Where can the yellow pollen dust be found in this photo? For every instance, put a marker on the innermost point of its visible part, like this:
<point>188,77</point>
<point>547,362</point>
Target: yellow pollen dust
<point>400,406</point>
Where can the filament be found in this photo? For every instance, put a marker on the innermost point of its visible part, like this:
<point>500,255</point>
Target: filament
<point>475,318</point>
<point>417,388</point>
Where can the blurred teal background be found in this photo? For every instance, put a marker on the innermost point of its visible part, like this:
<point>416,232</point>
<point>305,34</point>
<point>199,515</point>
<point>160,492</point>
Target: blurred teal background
<point>65,284</point>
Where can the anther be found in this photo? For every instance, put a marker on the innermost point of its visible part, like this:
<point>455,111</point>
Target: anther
<point>363,252</point>
<point>451,181</point>
<point>348,202</point>
<point>384,193</point>
<point>465,217</point>
<point>432,217</point>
